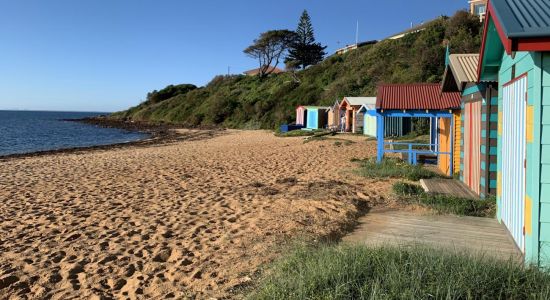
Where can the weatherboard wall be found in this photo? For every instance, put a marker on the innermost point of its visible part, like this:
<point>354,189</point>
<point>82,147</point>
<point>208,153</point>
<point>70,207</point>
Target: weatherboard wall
<point>478,145</point>
<point>537,183</point>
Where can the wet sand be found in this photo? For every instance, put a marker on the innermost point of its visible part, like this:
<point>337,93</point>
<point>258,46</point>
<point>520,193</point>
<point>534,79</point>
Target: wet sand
<point>193,218</point>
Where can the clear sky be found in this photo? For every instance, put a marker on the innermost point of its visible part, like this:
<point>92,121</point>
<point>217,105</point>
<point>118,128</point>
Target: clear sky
<point>105,55</point>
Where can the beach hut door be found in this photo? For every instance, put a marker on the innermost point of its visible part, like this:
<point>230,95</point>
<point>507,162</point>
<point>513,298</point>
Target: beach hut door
<point>513,158</point>
<point>472,145</point>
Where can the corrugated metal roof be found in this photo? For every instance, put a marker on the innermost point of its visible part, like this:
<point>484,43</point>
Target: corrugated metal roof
<point>416,96</point>
<point>358,101</point>
<point>523,18</point>
<point>464,67</point>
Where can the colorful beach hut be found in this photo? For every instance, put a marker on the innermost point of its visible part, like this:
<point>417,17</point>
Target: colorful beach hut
<point>516,52</point>
<point>478,124</point>
<point>350,107</point>
<point>393,127</point>
<point>334,116</point>
<point>421,100</point>
<point>317,117</point>
<point>301,115</point>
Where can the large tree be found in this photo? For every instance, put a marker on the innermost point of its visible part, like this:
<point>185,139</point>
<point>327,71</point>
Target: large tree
<point>269,48</point>
<point>304,51</point>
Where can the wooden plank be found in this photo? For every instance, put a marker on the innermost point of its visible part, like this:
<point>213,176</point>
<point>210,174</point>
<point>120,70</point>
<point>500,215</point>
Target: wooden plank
<point>394,227</point>
<point>449,187</point>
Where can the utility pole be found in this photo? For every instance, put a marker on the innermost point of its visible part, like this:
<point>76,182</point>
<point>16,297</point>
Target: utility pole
<point>357,34</point>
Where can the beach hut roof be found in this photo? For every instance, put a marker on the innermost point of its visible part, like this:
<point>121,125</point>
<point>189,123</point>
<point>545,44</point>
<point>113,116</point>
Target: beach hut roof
<point>510,26</point>
<point>359,101</point>
<point>334,106</point>
<point>522,19</point>
<point>416,96</point>
<point>367,107</point>
<point>462,69</point>
<point>317,107</point>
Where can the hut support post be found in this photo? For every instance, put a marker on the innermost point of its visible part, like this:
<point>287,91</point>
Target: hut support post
<point>380,136</point>
<point>451,161</point>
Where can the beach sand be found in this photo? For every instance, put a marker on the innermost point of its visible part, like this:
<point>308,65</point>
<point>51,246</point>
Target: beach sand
<point>193,218</point>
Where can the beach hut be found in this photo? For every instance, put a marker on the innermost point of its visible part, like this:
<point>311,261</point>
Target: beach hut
<point>421,100</point>
<point>317,117</point>
<point>350,107</point>
<point>301,115</point>
<point>369,119</point>
<point>516,52</point>
<point>334,116</point>
<point>393,127</point>
<point>478,123</point>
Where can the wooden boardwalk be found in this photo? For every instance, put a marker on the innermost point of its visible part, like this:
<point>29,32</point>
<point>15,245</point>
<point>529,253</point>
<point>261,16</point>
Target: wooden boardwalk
<point>476,235</point>
<point>450,187</point>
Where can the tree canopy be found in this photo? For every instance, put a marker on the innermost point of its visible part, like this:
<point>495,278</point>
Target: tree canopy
<point>304,51</point>
<point>269,48</point>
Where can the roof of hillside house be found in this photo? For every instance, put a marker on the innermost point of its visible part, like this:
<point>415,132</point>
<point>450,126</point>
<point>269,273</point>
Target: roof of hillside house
<point>413,29</point>
<point>461,70</point>
<point>256,71</point>
<point>359,101</point>
<point>416,96</point>
<point>523,18</point>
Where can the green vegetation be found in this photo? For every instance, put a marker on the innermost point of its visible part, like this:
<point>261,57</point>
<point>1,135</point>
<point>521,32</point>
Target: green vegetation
<point>402,188</point>
<point>358,272</point>
<point>249,102</point>
<point>393,168</point>
<point>295,133</point>
<point>269,49</point>
<point>444,204</point>
<point>304,51</point>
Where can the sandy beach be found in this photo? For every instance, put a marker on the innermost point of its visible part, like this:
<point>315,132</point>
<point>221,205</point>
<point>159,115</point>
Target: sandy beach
<point>191,219</point>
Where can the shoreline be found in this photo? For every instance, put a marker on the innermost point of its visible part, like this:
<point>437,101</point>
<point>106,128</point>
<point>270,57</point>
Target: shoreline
<point>159,134</point>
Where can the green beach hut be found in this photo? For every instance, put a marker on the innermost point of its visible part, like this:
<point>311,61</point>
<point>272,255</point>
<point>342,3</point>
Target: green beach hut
<point>516,52</point>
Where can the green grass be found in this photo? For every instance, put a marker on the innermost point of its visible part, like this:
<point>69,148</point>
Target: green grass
<point>295,133</point>
<point>414,194</point>
<point>406,189</point>
<point>358,272</point>
<point>393,168</point>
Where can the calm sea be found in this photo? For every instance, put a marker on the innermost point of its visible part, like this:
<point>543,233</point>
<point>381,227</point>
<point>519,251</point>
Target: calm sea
<point>31,131</point>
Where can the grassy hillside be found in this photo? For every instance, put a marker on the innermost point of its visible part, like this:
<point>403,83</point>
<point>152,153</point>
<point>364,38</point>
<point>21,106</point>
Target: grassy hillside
<point>239,101</point>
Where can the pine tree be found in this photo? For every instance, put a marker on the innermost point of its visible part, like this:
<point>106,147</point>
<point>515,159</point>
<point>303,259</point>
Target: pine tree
<point>304,51</point>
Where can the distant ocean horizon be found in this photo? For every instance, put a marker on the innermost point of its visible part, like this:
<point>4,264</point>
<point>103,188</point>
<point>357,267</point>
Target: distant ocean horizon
<point>25,131</point>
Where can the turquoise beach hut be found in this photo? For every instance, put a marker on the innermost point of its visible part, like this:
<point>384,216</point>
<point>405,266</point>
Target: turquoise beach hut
<point>516,52</point>
<point>317,117</point>
<point>369,120</point>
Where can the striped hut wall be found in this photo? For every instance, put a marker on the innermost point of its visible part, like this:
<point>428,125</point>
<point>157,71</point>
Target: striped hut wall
<point>474,161</point>
<point>489,147</point>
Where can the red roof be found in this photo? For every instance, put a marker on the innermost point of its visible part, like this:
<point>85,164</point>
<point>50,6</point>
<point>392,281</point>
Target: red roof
<point>415,96</point>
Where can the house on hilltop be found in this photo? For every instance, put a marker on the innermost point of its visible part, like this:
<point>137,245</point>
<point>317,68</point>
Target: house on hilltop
<point>478,8</point>
<point>271,69</point>
<point>349,48</point>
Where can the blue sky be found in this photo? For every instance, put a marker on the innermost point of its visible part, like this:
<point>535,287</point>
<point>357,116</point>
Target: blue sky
<point>105,55</point>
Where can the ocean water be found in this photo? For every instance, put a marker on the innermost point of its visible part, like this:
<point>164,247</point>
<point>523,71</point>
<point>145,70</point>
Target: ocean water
<point>31,131</point>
